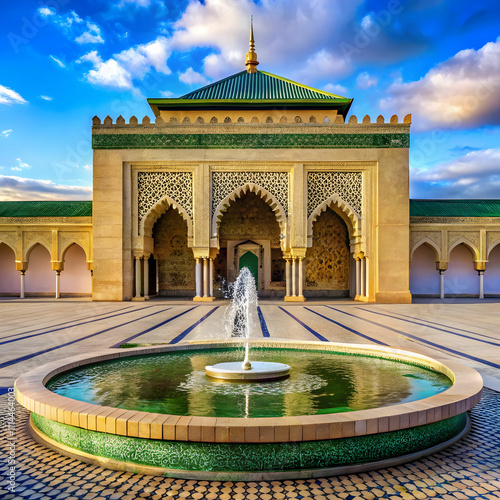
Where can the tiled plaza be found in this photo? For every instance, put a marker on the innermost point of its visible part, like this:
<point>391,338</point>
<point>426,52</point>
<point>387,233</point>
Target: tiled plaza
<point>37,331</point>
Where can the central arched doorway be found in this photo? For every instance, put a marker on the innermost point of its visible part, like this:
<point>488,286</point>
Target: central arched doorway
<point>249,235</point>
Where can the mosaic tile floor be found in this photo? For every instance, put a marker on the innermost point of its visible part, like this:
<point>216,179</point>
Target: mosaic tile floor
<point>469,469</point>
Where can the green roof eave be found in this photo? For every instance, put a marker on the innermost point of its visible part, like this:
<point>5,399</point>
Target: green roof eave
<point>159,104</point>
<point>455,208</point>
<point>46,209</point>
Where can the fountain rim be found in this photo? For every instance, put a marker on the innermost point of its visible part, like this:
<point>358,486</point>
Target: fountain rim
<point>464,394</point>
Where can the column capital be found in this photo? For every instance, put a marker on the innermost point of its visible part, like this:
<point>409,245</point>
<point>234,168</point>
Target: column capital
<point>298,252</point>
<point>57,266</point>
<point>201,253</point>
<point>441,265</point>
<point>21,266</point>
<point>480,265</point>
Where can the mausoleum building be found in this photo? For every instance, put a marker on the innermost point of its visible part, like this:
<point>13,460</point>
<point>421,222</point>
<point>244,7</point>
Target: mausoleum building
<point>253,170</point>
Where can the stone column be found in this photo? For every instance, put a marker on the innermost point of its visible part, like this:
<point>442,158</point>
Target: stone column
<point>137,278</point>
<point>363,277</point>
<point>367,276</point>
<point>441,283</point>
<point>358,277</point>
<point>287,277</point>
<point>205,277</point>
<point>157,266</point>
<point>58,284</point>
<point>481,284</point>
<point>211,277</point>
<point>198,277</point>
<point>23,273</point>
<point>300,292</point>
<point>146,278</point>
<point>294,277</point>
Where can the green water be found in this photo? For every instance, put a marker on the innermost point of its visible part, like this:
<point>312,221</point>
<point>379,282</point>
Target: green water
<point>175,383</point>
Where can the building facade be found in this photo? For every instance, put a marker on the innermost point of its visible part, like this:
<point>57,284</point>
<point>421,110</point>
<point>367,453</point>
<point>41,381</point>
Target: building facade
<point>257,171</point>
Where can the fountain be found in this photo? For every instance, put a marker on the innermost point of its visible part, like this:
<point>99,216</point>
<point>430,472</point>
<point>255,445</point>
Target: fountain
<point>169,410</point>
<point>240,322</point>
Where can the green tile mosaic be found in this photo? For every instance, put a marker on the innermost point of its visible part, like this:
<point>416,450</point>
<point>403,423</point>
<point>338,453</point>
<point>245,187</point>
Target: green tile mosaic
<point>252,457</point>
<point>249,141</point>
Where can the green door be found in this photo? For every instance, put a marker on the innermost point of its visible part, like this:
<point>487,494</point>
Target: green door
<point>250,260</point>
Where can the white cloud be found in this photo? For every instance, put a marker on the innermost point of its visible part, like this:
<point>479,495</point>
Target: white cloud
<point>139,3</point>
<point>6,133</point>
<point>322,64</point>
<point>46,98</point>
<point>462,92</point>
<point>335,88</point>
<point>365,81</point>
<point>20,165</point>
<point>46,12</point>
<point>167,93</point>
<point>74,27</point>
<point>474,175</point>
<point>87,167</point>
<point>20,189</point>
<point>192,77</point>
<point>120,70</point>
<point>107,74</point>
<point>305,35</point>
<point>57,61</point>
<point>9,96</point>
<point>92,35</point>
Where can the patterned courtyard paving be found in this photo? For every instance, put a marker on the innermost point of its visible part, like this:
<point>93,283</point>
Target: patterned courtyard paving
<point>38,331</point>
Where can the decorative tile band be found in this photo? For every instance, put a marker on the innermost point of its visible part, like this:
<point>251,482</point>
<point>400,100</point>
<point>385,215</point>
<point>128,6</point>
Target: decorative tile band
<point>197,456</point>
<point>249,141</point>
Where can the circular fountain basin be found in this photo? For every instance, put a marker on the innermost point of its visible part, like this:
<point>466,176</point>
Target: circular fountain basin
<point>238,448</point>
<point>259,371</point>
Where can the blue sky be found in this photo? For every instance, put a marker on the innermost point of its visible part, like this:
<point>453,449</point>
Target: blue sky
<point>65,61</point>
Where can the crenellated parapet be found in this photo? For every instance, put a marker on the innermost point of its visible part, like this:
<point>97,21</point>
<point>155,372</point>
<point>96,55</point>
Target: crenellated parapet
<point>251,133</point>
<point>213,118</point>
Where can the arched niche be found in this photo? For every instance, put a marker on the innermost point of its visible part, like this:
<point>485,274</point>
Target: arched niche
<point>155,212</point>
<point>40,278</point>
<point>9,278</point>
<point>341,208</point>
<point>461,278</point>
<point>75,278</point>
<point>424,278</point>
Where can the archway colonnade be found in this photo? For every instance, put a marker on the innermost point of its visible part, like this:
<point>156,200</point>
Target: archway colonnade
<point>448,263</point>
<point>45,262</point>
<point>294,258</point>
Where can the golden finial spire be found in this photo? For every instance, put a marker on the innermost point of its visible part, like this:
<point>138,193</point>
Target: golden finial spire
<point>251,57</point>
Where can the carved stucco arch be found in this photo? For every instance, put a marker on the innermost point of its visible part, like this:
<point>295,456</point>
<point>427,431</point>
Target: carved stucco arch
<point>492,247</point>
<point>26,253</point>
<point>464,241</point>
<point>428,243</point>
<point>7,244</point>
<point>345,211</point>
<point>157,210</point>
<point>265,195</point>
<point>69,244</point>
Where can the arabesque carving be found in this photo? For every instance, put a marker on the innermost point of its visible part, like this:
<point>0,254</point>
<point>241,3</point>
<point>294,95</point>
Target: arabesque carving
<point>225,183</point>
<point>323,185</point>
<point>154,186</point>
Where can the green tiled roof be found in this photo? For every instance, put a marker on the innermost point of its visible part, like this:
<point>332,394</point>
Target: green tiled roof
<point>259,85</point>
<point>455,208</point>
<point>255,90</point>
<point>45,208</point>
